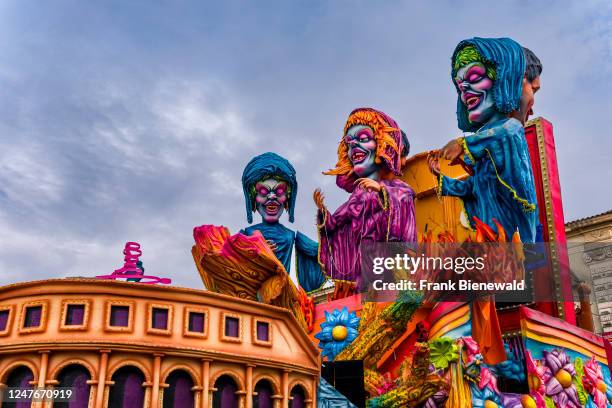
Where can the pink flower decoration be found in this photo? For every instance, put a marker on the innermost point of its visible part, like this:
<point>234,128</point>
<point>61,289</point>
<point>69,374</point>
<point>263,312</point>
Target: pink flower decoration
<point>594,384</point>
<point>558,379</point>
<point>535,375</point>
<point>471,347</point>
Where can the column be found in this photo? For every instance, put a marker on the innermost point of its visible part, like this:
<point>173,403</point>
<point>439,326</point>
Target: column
<point>315,388</point>
<point>44,365</point>
<point>285,386</point>
<point>205,383</point>
<point>103,366</point>
<point>249,385</point>
<point>42,375</point>
<point>156,375</point>
<point>2,389</point>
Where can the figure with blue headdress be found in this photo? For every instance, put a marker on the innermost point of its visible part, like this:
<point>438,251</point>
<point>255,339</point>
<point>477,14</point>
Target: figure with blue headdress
<point>488,74</point>
<point>270,187</point>
<point>255,263</point>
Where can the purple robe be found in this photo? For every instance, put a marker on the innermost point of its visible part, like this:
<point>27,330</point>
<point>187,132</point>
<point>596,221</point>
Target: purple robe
<point>387,216</point>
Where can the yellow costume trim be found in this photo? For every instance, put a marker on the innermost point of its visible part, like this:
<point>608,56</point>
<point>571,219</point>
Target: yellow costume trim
<point>467,216</point>
<point>463,143</point>
<point>527,206</point>
<point>439,189</point>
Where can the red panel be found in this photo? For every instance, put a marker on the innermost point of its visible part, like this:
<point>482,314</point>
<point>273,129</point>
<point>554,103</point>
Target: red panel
<point>556,208</point>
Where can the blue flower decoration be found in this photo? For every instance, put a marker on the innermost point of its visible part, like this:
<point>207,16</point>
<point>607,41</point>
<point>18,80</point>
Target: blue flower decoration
<point>337,331</point>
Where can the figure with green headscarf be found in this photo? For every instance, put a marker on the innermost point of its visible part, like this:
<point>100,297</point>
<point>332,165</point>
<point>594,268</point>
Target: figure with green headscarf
<point>488,74</point>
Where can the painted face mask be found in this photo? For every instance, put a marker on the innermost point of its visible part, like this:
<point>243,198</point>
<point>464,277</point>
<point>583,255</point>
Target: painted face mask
<point>362,150</point>
<point>476,92</point>
<point>270,199</point>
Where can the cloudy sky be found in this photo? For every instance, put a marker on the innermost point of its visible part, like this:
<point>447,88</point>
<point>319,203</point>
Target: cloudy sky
<point>133,120</point>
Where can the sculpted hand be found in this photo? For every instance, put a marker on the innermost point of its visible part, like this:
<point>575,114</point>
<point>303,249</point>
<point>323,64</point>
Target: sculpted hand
<point>368,184</point>
<point>453,150</point>
<point>271,244</point>
<point>319,200</point>
<point>434,163</point>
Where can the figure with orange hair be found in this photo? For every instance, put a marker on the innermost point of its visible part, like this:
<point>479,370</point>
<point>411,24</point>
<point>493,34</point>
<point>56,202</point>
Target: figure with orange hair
<point>380,207</point>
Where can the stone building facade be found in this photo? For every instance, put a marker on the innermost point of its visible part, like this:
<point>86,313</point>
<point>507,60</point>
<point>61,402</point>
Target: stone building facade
<point>590,252</point>
<point>119,344</point>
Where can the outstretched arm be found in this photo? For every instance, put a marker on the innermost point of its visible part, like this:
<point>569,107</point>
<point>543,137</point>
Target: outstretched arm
<point>453,187</point>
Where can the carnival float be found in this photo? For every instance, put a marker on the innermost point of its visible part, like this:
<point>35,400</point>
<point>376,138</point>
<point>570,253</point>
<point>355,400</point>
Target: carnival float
<point>256,338</point>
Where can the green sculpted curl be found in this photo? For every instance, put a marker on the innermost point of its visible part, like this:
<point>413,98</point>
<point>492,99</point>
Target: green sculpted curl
<point>470,54</point>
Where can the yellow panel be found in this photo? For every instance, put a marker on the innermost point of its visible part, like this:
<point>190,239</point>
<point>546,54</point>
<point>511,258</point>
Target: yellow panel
<point>439,215</point>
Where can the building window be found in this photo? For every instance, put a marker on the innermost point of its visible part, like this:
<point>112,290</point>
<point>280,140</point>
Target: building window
<point>262,397</point>
<point>262,331</point>
<point>21,377</point>
<point>179,393</point>
<point>128,388</point>
<point>232,326</point>
<point>225,395</point>
<point>5,319</point>
<point>195,322</point>
<point>160,319</point>
<point>74,314</point>
<point>33,317</point>
<point>231,329</point>
<point>119,316</point>
<point>75,377</point>
<point>298,397</point>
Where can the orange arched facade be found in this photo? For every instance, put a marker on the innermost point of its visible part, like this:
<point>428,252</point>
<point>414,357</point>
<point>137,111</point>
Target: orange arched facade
<point>106,325</point>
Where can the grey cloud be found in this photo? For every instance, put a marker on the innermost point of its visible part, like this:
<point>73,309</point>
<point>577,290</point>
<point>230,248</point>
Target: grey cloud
<point>133,121</point>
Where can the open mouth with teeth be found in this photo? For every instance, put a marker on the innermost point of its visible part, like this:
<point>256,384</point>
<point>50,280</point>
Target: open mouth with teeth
<point>272,207</point>
<point>358,156</point>
<point>472,100</point>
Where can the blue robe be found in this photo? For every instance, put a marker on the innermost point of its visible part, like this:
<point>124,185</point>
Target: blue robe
<point>309,271</point>
<point>502,186</point>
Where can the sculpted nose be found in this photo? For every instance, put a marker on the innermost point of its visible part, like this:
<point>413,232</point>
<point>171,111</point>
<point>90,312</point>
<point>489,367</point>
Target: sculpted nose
<point>463,86</point>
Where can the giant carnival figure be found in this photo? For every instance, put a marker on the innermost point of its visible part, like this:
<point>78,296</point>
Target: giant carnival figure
<point>255,263</point>
<point>380,207</point>
<point>495,95</point>
<point>270,186</point>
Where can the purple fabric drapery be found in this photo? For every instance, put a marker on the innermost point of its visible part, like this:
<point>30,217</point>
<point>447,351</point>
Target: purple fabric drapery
<point>263,331</point>
<point>75,315</point>
<point>119,316</point>
<point>263,399</point>
<point>74,377</point>
<point>160,318</point>
<point>298,398</point>
<point>33,315</point>
<point>81,391</point>
<point>196,322</point>
<point>133,391</point>
<point>4,315</point>
<point>179,393</point>
<point>225,396</point>
<point>19,378</point>
<point>232,328</point>
<point>366,216</point>
<point>128,390</point>
<point>183,396</point>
